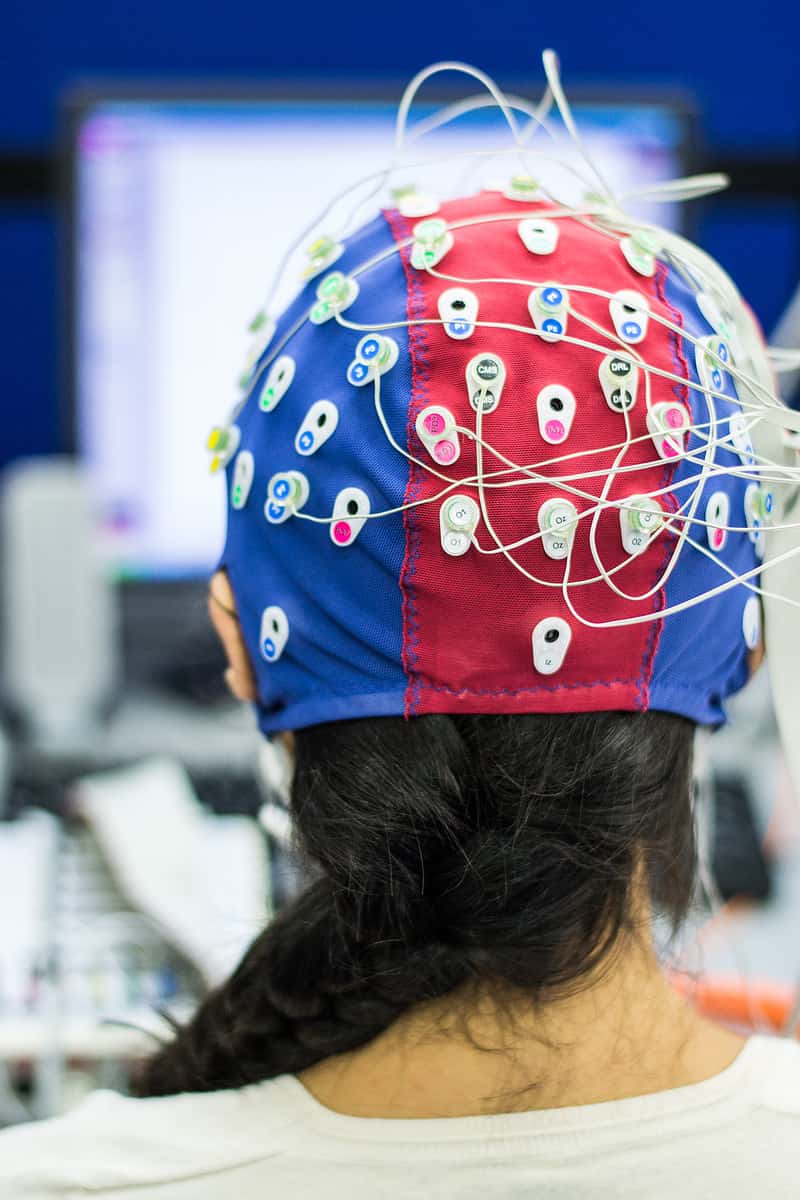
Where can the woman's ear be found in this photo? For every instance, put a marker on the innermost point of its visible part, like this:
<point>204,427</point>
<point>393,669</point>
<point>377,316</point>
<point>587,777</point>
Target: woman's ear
<point>755,657</point>
<point>239,676</point>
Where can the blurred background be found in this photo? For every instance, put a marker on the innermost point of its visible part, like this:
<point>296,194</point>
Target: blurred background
<point>155,160</point>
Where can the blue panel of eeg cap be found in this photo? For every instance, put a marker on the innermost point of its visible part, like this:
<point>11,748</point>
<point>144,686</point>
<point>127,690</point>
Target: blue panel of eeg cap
<point>700,633</point>
<point>328,592</point>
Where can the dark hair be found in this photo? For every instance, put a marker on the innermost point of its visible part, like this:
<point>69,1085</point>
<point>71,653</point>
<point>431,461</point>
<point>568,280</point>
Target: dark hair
<point>443,850</point>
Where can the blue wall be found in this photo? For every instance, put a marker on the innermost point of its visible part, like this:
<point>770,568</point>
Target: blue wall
<point>743,71</point>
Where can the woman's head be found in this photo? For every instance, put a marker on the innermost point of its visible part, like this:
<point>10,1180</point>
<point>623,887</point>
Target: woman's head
<point>512,853</point>
<point>519,512</point>
<point>494,517</point>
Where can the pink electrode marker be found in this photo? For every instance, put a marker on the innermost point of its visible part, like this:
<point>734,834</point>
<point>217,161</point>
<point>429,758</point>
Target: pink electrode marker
<point>508,463</point>
<point>444,452</point>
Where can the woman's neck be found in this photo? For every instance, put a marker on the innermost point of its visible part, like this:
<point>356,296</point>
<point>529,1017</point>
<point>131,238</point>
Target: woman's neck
<point>627,1034</point>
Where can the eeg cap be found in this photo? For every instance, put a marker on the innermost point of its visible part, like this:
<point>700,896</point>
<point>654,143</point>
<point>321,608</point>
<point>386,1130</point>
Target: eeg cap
<point>498,457</point>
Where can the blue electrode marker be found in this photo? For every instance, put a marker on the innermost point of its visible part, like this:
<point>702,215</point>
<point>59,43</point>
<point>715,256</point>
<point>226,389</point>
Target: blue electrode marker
<point>357,372</point>
<point>552,297</point>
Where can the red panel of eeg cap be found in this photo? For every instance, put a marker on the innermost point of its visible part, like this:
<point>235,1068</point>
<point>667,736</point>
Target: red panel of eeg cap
<point>468,620</point>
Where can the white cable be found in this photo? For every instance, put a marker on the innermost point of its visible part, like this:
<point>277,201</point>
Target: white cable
<point>692,187</point>
<point>759,404</point>
<point>438,68</point>
<point>551,70</point>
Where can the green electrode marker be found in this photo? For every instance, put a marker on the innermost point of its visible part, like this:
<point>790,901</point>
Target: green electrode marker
<point>430,232</point>
<point>333,287</point>
<point>562,525</point>
<point>645,519</point>
<point>526,184</point>
<point>642,259</point>
<point>645,241</point>
<point>321,248</point>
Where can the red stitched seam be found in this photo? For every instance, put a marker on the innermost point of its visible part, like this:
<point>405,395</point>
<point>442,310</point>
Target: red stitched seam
<point>401,230</point>
<point>541,687</point>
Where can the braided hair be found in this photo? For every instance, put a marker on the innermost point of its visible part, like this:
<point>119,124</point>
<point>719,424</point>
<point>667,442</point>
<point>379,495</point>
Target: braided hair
<point>441,851</point>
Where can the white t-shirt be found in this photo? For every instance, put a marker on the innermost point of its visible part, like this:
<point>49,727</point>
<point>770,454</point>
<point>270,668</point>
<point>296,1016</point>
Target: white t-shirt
<point>733,1136</point>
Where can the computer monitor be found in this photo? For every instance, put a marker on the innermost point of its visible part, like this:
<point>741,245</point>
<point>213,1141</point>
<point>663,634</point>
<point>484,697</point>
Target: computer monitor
<point>181,207</point>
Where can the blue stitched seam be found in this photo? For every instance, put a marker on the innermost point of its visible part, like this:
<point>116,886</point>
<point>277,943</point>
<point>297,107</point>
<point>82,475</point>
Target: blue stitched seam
<point>666,478</point>
<point>419,396</point>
